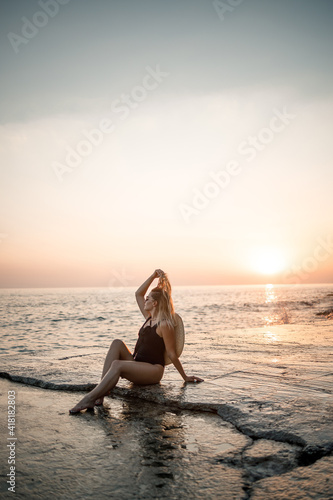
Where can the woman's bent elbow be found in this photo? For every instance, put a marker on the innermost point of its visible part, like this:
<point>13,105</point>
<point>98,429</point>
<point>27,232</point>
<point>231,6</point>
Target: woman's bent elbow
<point>172,355</point>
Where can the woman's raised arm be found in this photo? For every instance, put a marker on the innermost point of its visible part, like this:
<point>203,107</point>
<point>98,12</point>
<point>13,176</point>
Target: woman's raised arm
<point>141,291</point>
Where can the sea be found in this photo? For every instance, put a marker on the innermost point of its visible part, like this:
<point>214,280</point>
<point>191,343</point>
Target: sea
<point>56,324</point>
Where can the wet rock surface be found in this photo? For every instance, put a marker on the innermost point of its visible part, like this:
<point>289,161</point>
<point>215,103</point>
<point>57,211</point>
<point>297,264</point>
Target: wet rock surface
<point>132,448</point>
<point>304,483</point>
<point>260,426</point>
<point>270,458</point>
<point>125,450</point>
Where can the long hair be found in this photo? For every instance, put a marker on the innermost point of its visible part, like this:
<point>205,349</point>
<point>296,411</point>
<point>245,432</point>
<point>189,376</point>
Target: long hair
<point>162,295</point>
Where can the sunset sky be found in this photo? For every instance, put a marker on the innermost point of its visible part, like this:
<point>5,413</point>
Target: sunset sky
<point>189,135</point>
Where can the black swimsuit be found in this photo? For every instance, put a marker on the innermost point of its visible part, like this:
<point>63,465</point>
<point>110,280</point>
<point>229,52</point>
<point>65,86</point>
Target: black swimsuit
<point>150,346</point>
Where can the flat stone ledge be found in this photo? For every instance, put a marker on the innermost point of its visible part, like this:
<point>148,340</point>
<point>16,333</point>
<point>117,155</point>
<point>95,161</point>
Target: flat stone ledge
<point>304,483</point>
<point>270,458</point>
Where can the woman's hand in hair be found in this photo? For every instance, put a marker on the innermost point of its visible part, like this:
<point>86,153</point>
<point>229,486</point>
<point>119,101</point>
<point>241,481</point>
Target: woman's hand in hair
<point>194,379</point>
<point>159,273</point>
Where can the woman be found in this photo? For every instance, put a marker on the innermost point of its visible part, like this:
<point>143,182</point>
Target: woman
<point>156,336</point>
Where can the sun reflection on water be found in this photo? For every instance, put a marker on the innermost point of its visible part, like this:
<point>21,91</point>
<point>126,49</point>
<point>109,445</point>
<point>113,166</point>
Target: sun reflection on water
<point>270,293</point>
<point>270,337</point>
<point>278,315</point>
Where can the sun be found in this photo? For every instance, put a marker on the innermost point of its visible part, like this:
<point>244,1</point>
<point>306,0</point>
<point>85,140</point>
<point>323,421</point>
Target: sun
<point>266,260</point>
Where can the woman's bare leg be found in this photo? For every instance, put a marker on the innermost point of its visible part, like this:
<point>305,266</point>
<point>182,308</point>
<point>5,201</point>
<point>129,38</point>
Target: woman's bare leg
<point>136,372</point>
<point>118,350</point>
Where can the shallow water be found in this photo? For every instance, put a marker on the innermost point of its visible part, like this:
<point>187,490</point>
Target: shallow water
<point>47,324</point>
<point>64,334</point>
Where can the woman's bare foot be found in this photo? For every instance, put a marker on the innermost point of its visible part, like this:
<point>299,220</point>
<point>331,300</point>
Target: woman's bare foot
<point>85,403</point>
<point>99,402</point>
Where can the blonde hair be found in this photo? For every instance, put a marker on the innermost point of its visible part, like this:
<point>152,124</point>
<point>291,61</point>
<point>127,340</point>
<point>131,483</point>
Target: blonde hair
<point>162,295</point>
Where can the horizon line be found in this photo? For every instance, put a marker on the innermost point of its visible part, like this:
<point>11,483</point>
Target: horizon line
<point>173,286</point>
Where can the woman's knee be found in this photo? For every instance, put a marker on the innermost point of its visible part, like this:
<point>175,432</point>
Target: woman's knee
<point>117,344</point>
<point>116,365</point>
<point>120,350</point>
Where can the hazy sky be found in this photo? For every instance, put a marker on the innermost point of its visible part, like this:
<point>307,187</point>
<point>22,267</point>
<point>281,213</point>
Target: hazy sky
<point>189,135</point>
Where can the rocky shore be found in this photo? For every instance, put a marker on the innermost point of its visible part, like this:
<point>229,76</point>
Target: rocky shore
<point>259,427</point>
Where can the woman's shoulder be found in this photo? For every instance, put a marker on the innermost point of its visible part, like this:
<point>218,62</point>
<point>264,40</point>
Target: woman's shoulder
<point>168,323</point>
